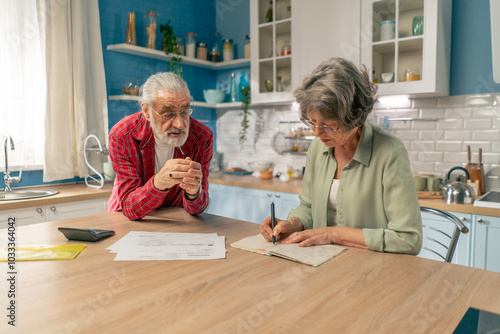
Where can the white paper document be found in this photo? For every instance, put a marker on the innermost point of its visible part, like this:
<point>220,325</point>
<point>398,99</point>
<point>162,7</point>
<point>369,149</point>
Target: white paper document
<point>141,245</point>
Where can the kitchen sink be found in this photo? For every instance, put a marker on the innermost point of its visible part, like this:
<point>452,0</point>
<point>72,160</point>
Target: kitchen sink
<point>26,194</point>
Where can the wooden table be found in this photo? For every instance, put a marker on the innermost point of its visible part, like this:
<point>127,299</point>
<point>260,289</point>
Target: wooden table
<point>357,292</point>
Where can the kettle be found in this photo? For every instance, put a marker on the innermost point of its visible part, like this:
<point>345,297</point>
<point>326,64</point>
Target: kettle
<point>457,192</point>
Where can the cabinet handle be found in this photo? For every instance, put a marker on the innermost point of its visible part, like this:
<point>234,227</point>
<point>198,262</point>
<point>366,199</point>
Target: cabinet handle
<point>39,210</point>
<point>480,221</point>
<point>269,195</point>
<point>53,209</point>
<point>463,219</point>
<point>278,195</point>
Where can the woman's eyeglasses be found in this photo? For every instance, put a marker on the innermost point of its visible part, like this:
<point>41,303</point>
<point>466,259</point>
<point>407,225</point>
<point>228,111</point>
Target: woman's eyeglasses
<point>170,116</point>
<point>325,128</point>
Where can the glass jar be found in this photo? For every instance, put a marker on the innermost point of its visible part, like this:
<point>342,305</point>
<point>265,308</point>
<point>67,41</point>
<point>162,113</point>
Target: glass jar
<point>227,50</point>
<point>215,48</point>
<point>411,75</point>
<point>151,25</point>
<point>190,44</point>
<point>131,29</point>
<point>201,51</point>
<point>286,49</point>
<point>247,46</point>
<point>180,45</point>
<point>418,25</point>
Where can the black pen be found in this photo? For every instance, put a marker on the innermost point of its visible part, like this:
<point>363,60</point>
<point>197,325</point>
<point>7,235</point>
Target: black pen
<point>273,222</point>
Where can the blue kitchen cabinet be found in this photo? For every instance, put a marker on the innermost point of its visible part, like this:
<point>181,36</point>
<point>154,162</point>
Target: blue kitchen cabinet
<point>463,250</point>
<point>486,243</point>
<point>252,205</point>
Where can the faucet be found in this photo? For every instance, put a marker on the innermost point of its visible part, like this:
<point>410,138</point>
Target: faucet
<point>7,179</point>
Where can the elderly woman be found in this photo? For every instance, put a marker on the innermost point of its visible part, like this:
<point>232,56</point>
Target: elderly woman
<point>358,189</point>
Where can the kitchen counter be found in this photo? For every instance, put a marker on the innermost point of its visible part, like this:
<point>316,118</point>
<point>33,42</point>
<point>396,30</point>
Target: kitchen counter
<point>67,193</point>
<point>295,187</point>
<point>358,291</point>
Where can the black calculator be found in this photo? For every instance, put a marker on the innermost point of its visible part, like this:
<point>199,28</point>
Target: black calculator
<point>85,234</point>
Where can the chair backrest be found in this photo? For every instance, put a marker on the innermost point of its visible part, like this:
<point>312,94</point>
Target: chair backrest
<point>437,240</point>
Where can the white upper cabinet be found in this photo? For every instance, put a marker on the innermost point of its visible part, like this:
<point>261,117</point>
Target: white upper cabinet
<point>402,57</point>
<point>292,46</point>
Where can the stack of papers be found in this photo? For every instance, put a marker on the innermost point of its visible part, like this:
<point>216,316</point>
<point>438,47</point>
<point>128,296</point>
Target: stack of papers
<point>140,245</point>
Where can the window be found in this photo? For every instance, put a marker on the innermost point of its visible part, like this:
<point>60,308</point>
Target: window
<point>22,84</point>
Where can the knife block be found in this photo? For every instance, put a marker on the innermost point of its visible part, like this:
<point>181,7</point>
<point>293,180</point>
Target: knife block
<point>477,177</point>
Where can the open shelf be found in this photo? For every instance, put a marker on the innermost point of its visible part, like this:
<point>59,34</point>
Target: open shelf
<point>125,97</point>
<point>158,54</point>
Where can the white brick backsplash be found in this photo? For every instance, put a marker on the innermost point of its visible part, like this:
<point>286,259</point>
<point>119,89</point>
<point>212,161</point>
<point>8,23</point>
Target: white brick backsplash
<point>430,156</point>
<point>409,135</point>
<point>458,113</point>
<point>451,101</point>
<point>458,157</point>
<point>431,134</point>
<point>430,113</point>
<point>486,135</point>
<point>449,146</point>
<point>427,103</point>
<point>458,135</point>
<point>478,124</point>
<point>487,112</point>
<point>423,146</point>
<point>433,147</point>
<point>476,145</point>
<point>447,124</point>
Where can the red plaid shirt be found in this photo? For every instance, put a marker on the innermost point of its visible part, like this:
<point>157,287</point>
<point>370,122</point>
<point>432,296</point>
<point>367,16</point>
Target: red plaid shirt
<point>132,152</point>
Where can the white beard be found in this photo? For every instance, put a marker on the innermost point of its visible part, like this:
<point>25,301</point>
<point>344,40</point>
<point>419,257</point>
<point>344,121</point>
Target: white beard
<point>164,138</point>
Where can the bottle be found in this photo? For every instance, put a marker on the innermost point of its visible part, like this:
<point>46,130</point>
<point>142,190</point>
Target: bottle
<point>242,84</point>
<point>227,50</point>
<point>190,44</point>
<point>215,48</point>
<point>288,13</point>
<point>247,46</point>
<point>269,14</point>
<point>279,85</point>
<point>233,93</point>
<point>286,49</point>
<point>131,29</point>
<point>180,45</point>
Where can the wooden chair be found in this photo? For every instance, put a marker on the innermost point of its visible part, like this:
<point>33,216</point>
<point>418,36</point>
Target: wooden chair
<point>435,239</point>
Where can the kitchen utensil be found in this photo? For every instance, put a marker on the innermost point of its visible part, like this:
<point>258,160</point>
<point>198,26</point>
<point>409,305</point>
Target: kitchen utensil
<point>214,95</point>
<point>457,192</point>
<point>476,171</point>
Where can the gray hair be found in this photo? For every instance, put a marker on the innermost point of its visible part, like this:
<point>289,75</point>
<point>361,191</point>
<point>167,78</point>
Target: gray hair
<point>339,91</point>
<point>163,81</point>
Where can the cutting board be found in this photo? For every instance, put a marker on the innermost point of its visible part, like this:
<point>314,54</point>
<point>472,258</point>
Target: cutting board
<point>429,194</point>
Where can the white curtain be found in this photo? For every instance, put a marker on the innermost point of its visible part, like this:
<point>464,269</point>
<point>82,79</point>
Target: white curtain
<point>76,88</point>
<point>22,84</point>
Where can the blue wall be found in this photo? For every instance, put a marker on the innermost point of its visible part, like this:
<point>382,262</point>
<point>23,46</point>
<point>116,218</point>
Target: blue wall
<point>471,62</point>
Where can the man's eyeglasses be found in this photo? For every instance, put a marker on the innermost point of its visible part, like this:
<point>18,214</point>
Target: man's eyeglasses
<point>170,116</point>
<point>325,128</point>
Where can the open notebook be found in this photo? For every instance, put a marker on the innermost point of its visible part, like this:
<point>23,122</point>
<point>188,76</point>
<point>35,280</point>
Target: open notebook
<point>313,255</point>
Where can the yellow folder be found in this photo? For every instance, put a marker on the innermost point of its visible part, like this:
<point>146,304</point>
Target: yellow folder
<point>41,252</point>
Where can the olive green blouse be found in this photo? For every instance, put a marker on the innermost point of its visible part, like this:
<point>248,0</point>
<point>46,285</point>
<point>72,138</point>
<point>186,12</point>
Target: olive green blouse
<point>376,192</point>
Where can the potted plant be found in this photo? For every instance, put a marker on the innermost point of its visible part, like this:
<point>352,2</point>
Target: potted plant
<point>245,123</point>
<point>169,41</point>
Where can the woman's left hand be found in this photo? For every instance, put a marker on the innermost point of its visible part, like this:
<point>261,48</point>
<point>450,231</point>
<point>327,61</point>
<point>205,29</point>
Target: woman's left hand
<point>317,236</point>
<point>347,236</point>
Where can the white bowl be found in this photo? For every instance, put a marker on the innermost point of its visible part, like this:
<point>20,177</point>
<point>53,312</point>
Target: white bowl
<point>260,166</point>
<point>387,77</point>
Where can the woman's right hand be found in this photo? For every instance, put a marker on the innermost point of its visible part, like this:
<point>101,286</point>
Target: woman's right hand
<point>282,228</point>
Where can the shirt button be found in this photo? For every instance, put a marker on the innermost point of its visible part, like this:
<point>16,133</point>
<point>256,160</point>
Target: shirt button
<point>340,213</point>
<point>342,189</point>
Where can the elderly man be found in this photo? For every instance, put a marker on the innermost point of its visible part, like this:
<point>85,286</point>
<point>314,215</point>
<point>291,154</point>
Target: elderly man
<point>160,155</point>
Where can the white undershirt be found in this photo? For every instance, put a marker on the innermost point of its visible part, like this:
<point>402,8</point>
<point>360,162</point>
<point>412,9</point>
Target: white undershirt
<point>163,152</point>
<point>332,203</point>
